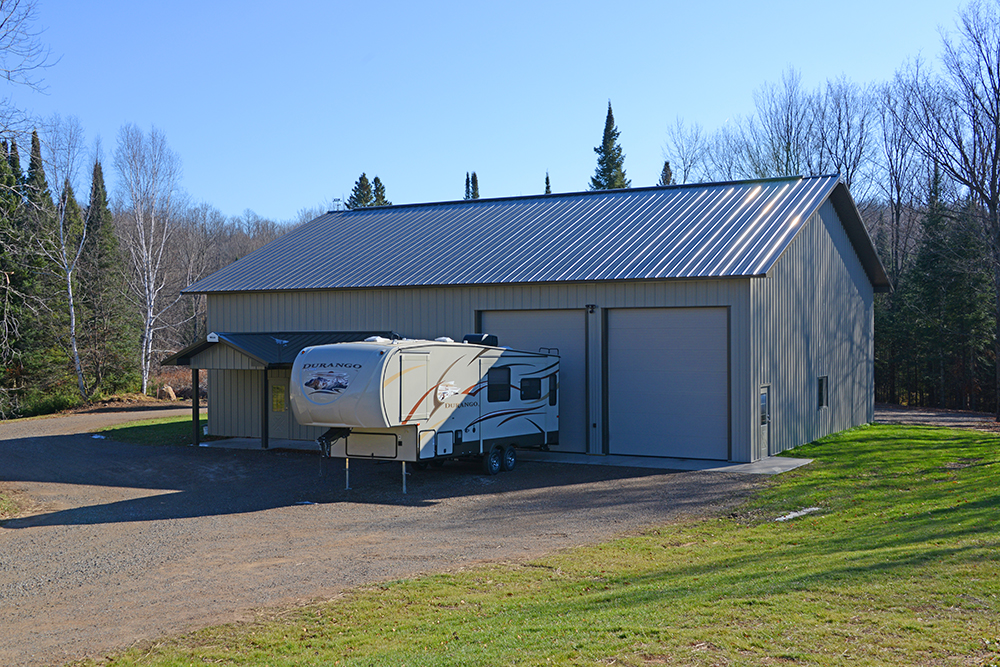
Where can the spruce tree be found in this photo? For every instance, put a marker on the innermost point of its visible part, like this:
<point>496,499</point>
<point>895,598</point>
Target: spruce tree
<point>9,197</point>
<point>14,160</point>
<point>474,193</point>
<point>468,186</point>
<point>361,195</point>
<point>610,172</point>
<point>379,193</point>
<point>667,175</point>
<point>109,333</point>
<point>35,186</point>
<point>548,186</point>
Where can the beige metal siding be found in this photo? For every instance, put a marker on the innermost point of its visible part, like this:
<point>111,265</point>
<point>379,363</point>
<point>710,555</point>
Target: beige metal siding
<point>234,403</point>
<point>813,317</point>
<point>224,356</point>
<point>451,311</point>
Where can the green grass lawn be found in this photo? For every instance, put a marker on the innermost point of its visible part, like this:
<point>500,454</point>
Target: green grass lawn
<point>899,567</point>
<point>160,431</point>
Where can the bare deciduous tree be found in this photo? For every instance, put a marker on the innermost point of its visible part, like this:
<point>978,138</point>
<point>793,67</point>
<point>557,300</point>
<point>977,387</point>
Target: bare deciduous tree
<point>778,140</point>
<point>844,115</point>
<point>148,173</point>
<point>685,149</point>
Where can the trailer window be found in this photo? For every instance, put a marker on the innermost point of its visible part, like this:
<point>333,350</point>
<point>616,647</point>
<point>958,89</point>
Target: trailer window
<point>553,389</point>
<point>531,389</point>
<point>498,385</point>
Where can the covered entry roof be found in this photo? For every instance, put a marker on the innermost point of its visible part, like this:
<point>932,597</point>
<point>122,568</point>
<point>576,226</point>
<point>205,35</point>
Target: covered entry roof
<point>261,350</point>
<point>712,230</point>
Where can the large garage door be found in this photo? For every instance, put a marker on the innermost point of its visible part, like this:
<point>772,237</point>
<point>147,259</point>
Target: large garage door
<point>668,382</point>
<point>563,329</point>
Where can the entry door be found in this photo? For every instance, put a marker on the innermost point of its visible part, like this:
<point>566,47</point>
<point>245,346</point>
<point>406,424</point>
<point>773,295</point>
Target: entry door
<point>279,421</point>
<point>765,419</point>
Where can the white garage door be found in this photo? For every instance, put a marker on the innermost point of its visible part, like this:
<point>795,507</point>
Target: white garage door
<point>668,382</point>
<point>563,329</point>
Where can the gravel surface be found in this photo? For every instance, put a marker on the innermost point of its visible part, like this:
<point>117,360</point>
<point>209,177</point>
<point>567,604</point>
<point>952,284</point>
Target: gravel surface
<point>898,414</point>
<point>120,544</point>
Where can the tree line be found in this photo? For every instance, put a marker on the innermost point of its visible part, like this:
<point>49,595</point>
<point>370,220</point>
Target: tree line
<point>90,287</point>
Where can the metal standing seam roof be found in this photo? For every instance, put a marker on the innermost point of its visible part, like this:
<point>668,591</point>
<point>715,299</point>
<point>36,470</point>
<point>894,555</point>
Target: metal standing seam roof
<point>712,230</point>
<point>271,349</point>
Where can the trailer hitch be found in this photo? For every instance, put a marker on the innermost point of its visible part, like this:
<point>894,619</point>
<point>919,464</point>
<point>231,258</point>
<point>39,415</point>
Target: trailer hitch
<point>326,440</point>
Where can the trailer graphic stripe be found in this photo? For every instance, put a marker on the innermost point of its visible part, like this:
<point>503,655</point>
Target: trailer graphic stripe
<point>509,414</point>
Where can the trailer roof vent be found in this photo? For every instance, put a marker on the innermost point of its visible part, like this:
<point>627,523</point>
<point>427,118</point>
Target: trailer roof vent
<point>481,339</point>
<point>377,339</point>
<point>444,339</point>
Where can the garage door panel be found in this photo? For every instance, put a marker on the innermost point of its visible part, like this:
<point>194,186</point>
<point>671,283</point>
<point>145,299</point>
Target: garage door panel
<point>668,382</point>
<point>562,329</point>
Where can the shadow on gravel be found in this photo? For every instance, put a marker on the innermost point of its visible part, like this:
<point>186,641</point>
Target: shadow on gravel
<point>198,482</point>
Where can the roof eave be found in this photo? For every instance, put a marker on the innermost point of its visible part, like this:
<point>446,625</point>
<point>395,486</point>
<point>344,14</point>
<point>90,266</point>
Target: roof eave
<point>858,234</point>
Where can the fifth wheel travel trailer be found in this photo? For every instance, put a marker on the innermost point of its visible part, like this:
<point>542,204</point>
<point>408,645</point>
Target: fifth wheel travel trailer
<point>421,401</point>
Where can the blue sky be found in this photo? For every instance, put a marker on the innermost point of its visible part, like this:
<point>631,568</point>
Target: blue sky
<point>276,107</point>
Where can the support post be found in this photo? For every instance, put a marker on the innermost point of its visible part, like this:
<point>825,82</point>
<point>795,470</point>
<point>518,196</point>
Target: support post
<point>347,474</point>
<point>265,407</point>
<point>195,409</point>
<point>404,478</point>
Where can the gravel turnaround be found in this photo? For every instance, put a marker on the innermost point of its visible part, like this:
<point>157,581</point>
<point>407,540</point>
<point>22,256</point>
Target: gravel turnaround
<point>121,544</point>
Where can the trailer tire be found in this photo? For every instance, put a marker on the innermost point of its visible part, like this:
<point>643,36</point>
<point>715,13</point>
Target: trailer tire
<point>509,458</point>
<point>493,460</point>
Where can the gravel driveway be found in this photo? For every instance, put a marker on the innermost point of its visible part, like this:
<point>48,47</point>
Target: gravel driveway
<point>123,543</point>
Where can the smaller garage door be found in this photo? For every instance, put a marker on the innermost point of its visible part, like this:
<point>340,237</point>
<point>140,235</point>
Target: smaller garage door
<point>562,329</point>
<point>668,382</point>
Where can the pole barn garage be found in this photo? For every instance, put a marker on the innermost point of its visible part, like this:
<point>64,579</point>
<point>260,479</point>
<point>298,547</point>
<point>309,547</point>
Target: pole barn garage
<point>725,321</point>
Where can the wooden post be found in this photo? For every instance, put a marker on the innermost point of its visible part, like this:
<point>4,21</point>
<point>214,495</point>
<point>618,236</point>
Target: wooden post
<point>265,406</point>
<point>195,408</point>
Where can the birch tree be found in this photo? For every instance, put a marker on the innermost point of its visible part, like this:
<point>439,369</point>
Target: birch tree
<point>62,235</point>
<point>148,175</point>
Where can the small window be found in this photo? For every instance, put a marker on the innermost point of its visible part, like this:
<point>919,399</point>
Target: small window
<point>531,389</point>
<point>823,392</point>
<point>498,385</point>
<point>765,410</point>
<point>277,398</point>
<point>553,389</point>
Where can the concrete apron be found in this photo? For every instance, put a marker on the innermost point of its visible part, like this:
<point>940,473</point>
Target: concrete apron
<point>772,465</point>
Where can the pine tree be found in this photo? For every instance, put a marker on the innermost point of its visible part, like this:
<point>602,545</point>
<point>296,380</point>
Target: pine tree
<point>36,188</point>
<point>667,175</point>
<point>474,193</point>
<point>468,186</point>
<point>9,198</point>
<point>548,186</point>
<point>379,193</point>
<point>610,172</point>
<point>14,160</point>
<point>361,195</point>
<point>109,333</point>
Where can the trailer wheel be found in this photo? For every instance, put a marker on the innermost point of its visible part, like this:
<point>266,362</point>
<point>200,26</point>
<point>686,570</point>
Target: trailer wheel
<point>509,458</point>
<point>493,461</point>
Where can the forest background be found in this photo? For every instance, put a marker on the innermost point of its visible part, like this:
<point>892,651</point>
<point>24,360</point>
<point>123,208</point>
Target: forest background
<point>90,280</point>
